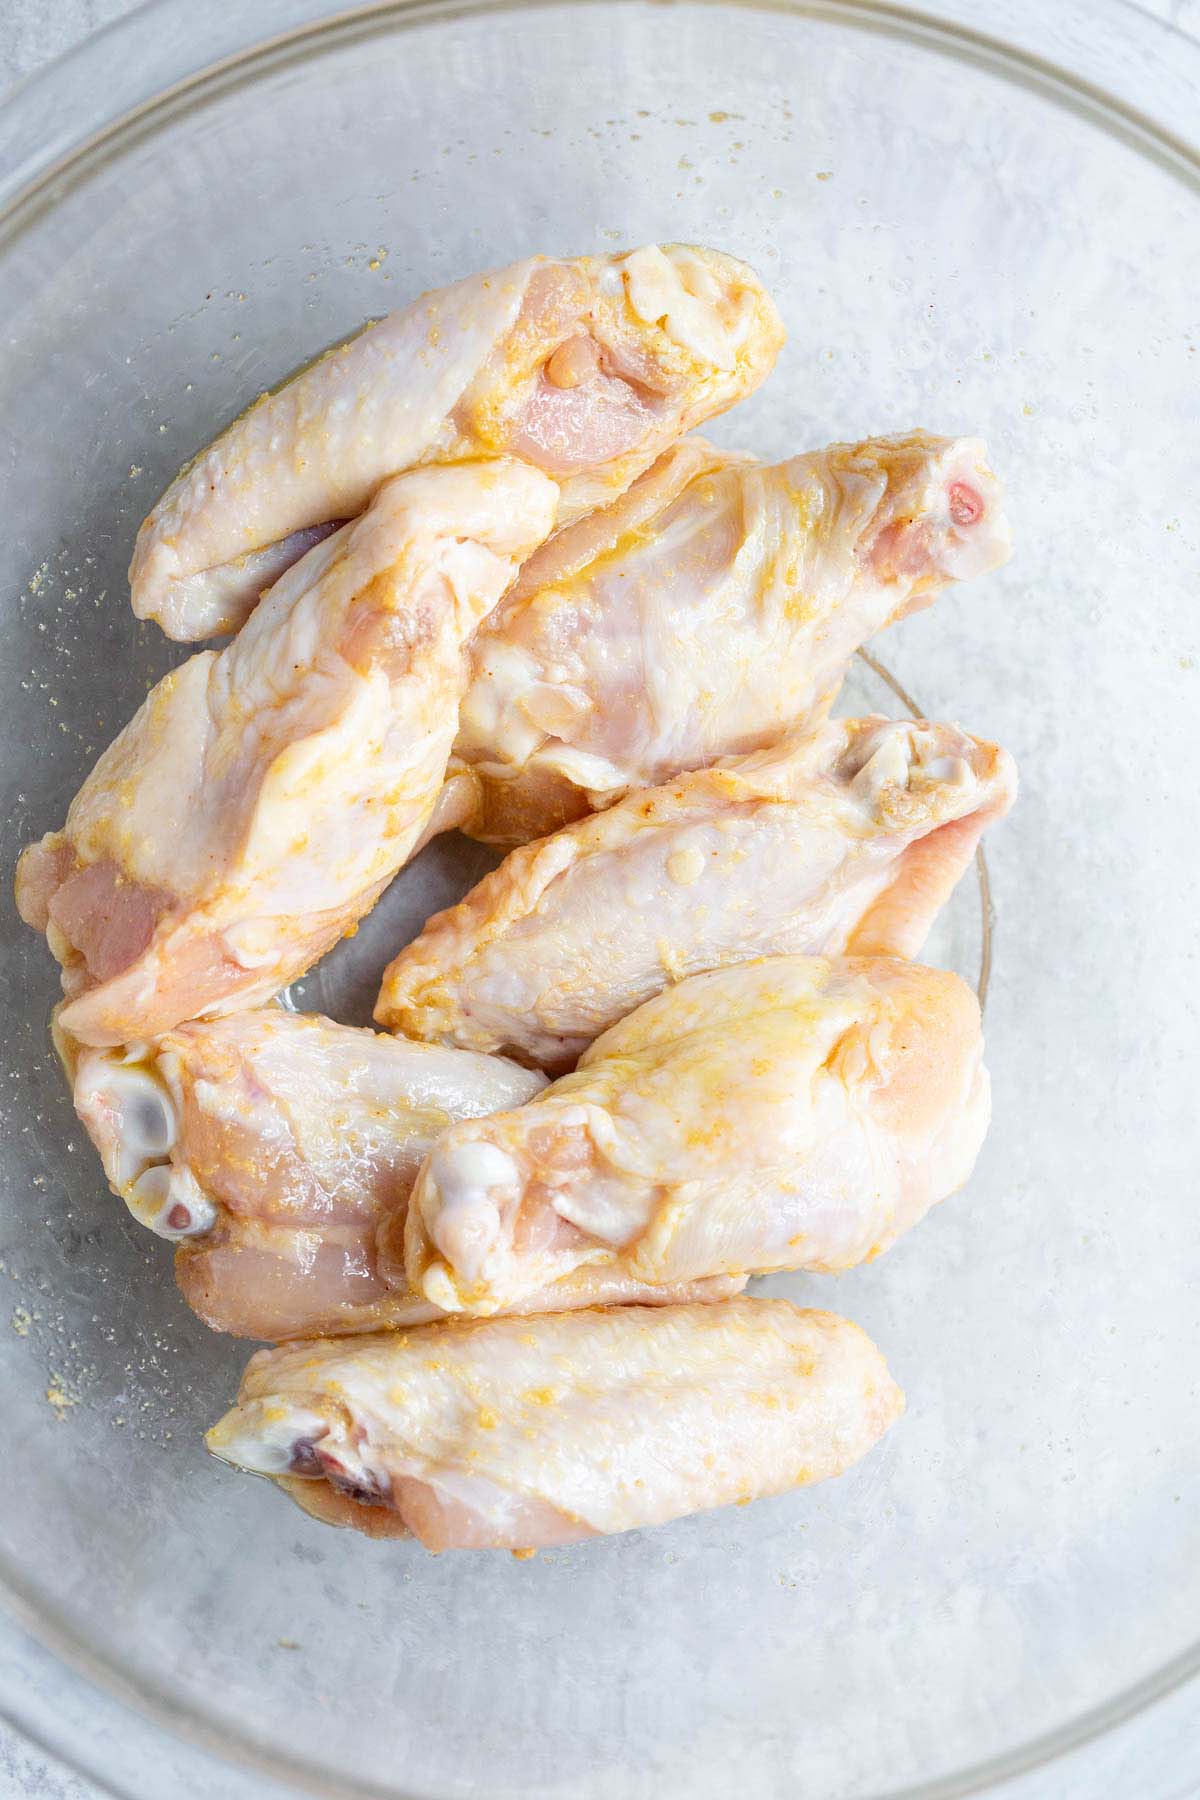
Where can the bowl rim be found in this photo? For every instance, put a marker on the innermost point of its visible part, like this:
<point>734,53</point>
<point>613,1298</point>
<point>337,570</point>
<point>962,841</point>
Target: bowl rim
<point>166,58</point>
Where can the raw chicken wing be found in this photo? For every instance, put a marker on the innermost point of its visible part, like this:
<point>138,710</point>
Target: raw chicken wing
<point>850,840</point>
<point>270,1146</point>
<point>522,1433</point>
<point>791,1113</point>
<point>262,797</point>
<point>587,369</point>
<point>708,613</point>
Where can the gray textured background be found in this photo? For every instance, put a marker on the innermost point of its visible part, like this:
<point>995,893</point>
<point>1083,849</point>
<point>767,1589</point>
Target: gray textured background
<point>1156,1757</point>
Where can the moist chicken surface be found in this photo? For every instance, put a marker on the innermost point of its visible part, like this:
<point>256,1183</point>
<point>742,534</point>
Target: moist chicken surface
<point>708,613</point>
<point>523,1433</point>
<point>270,1146</point>
<point>795,1112</point>
<point>483,579</point>
<point>263,796</point>
<point>585,368</point>
<point>849,840</point>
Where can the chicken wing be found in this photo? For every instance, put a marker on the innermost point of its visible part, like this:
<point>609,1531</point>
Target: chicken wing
<point>795,1112</point>
<point>709,612</point>
<point>587,369</point>
<point>524,1433</point>
<point>262,797</point>
<point>269,1146</point>
<point>849,840</point>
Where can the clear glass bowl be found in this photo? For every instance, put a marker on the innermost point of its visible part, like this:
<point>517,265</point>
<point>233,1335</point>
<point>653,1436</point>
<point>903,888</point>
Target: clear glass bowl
<point>961,236</point>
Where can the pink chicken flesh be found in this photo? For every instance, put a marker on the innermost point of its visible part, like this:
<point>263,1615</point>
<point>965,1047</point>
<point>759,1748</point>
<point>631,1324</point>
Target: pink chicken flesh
<point>585,368</point>
<point>263,796</point>
<point>271,1148</point>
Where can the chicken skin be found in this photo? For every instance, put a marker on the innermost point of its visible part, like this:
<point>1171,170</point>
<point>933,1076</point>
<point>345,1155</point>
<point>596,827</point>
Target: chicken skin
<point>791,1113</point>
<point>524,1433</point>
<point>269,1146</point>
<point>850,840</point>
<point>586,369</point>
<point>709,612</point>
<point>263,796</point>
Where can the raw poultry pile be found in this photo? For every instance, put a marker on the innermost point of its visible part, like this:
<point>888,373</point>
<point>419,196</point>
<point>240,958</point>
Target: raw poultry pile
<point>481,579</point>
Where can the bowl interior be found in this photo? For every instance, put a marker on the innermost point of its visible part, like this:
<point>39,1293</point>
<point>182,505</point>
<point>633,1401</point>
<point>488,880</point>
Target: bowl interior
<point>950,248</point>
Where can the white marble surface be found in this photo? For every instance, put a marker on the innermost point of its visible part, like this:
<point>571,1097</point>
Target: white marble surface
<point>1154,1757</point>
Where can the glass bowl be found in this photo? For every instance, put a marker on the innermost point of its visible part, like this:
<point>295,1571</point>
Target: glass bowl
<point>994,235</point>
